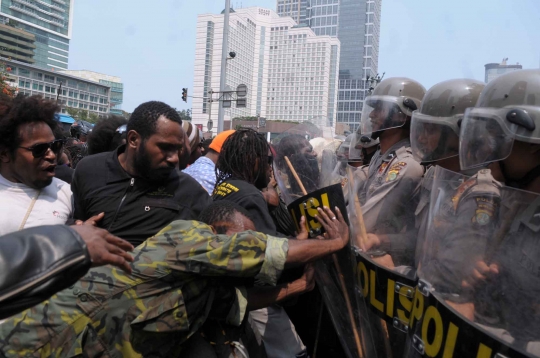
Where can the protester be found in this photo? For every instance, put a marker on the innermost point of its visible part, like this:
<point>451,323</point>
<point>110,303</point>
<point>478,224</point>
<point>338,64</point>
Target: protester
<point>40,261</point>
<point>244,169</point>
<point>206,145</point>
<point>203,169</point>
<point>30,194</point>
<point>195,141</point>
<point>107,135</point>
<point>178,275</point>
<point>136,190</point>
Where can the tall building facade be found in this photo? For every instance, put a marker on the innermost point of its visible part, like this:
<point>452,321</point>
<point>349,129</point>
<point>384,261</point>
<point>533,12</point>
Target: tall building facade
<point>356,23</point>
<point>494,70</point>
<point>114,83</point>
<point>16,43</point>
<point>50,21</point>
<point>75,92</point>
<point>291,73</point>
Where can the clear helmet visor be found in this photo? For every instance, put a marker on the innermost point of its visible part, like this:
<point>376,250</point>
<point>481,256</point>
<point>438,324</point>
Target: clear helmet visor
<point>485,137</point>
<point>355,149</point>
<point>381,113</point>
<point>433,138</point>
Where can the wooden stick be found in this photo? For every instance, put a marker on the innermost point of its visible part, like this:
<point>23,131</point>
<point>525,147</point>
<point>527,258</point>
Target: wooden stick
<point>296,176</point>
<point>358,209</point>
<point>340,274</point>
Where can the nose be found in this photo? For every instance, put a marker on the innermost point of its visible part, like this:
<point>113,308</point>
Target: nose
<point>172,159</point>
<point>50,155</point>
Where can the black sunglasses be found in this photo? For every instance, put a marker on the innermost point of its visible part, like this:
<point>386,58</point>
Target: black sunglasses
<point>39,150</point>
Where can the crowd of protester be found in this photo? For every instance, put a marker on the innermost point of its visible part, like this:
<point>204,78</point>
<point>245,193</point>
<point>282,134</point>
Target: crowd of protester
<point>139,237</point>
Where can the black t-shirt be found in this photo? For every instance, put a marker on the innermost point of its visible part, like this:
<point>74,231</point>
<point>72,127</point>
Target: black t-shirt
<point>250,198</point>
<point>134,209</point>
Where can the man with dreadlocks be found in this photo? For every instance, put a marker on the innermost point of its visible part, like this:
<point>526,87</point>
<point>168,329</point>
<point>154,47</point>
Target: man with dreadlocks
<point>243,169</point>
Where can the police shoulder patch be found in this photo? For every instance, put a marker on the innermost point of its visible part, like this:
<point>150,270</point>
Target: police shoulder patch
<point>485,210</point>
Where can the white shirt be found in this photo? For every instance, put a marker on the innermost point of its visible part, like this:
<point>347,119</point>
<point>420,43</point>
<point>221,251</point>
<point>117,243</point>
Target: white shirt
<point>53,206</point>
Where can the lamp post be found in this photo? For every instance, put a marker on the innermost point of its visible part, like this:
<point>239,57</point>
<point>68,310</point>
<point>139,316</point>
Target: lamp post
<point>224,55</point>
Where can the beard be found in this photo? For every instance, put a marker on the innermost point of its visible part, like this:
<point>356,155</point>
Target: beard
<point>143,166</point>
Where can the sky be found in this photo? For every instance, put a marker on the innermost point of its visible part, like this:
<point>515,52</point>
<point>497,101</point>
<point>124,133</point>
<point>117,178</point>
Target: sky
<point>151,44</point>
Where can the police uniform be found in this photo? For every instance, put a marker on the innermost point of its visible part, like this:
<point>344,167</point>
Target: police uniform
<point>512,296</point>
<point>390,196</point>
<point>177,276</point>
<point>463,221</point>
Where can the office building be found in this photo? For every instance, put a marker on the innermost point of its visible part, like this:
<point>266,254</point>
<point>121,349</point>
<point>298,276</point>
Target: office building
<point>75,92</point>
<point>291,73</point>
<point>50,21</point>
<point>494,70</point>
<point>16,43</point>
<point>115,84</point>
<point>356,23</point>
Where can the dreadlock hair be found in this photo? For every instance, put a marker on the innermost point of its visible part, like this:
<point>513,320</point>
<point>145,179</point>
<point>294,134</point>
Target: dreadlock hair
<point>104,136</point>
<point>23,110</point>
<point>144,118</point>
<point>220,214</point>
<point>243,156</point>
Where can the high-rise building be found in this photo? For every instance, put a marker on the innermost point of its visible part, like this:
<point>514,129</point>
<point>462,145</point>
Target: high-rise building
<point>494,70</point>
<point>297,9</point>
<point>50,21</point>
<point>291,73</point>
<point>356,23</point>
<point>16,43</point>
<point>74,92</point>
<point>115,84</point>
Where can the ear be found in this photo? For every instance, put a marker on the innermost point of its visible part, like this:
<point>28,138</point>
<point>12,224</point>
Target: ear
<point>213,230</point>
<point>133,139</point>
<point>5,156</point>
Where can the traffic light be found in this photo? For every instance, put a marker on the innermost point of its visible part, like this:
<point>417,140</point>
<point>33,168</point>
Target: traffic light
<point>184,94</point>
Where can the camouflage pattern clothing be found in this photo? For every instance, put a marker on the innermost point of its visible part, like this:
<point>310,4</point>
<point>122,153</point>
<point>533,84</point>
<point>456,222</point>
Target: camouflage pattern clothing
<point>177,276</point>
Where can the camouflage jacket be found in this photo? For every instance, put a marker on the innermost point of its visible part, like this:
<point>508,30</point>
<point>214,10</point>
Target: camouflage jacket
<point>177,274</point>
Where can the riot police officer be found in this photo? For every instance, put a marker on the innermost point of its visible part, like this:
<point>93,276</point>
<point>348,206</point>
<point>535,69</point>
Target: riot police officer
<point>504,127</point>
<point>388,195</point>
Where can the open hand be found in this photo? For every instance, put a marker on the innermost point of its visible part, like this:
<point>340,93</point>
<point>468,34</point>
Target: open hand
<point>105,248</point>
<point>335,226</point>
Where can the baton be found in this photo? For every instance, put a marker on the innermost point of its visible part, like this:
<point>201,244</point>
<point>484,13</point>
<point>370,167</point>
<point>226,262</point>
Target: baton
<point>338,269</point>
<point>359,216</point>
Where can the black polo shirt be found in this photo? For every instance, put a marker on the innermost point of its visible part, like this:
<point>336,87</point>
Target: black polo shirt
<point>134,208</point>
<point>250,198</point>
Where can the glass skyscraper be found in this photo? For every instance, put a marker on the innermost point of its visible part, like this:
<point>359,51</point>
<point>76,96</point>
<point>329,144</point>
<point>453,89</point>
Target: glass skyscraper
<point>49,21</point>
<point>356,23</point>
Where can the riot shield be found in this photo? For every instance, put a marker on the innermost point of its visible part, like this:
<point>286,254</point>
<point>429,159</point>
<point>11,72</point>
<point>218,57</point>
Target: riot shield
<point>477,294</point>
<point>307,177</point>
<point>384,232</point>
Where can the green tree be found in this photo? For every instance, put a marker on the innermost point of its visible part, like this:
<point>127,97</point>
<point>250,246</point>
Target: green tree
<point>185,114</point>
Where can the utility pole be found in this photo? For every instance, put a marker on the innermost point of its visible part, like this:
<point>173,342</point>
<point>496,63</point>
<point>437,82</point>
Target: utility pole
<point>224,55</point>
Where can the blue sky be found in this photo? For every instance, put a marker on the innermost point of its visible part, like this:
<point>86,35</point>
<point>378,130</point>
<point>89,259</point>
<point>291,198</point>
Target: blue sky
<point>151,44</point>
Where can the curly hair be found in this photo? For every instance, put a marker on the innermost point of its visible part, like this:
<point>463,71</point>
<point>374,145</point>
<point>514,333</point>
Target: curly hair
<point>241,156</point>
<point>104,137</point>
<point>220,214</point>
<point>23,110</point>
<point>144,118</point>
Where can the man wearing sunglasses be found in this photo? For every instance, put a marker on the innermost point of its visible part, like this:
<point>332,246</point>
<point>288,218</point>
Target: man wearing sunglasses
<point>29,152</point>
